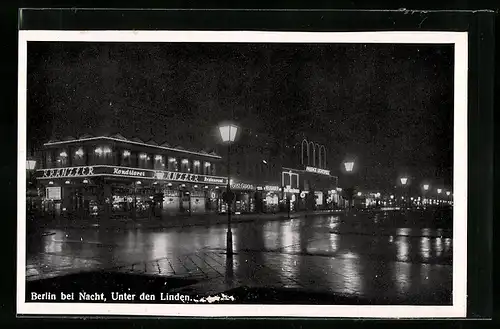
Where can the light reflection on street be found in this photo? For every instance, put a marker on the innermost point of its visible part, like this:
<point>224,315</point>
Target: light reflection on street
<point>345,246</point>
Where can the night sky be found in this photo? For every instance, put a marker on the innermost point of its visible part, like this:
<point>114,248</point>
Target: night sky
<point>390,106</point>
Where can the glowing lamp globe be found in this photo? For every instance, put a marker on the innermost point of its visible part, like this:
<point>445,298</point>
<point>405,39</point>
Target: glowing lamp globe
<point>228,133</point>
<point>439,190</point>
<point>349,166</point>
<point>426,187</point>
<point>448,193</point>
<point>404,180</point>
<point>30,164</point>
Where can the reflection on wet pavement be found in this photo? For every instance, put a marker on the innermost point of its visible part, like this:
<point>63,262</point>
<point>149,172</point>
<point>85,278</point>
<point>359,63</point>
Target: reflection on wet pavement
<point>388,255</point>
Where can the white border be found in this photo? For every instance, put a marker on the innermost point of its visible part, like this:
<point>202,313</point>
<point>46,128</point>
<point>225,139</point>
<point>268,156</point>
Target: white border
<point>458,309</point>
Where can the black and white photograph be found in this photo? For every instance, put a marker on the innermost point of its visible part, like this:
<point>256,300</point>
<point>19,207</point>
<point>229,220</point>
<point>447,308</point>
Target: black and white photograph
<point>242,173</point>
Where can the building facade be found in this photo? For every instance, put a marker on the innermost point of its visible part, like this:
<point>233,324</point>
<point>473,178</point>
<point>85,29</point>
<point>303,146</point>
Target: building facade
<point>112,176</point>
<point>307,179</point>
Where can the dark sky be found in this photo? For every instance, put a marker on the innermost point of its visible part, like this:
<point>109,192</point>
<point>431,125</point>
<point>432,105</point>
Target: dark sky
<point>391,106</point>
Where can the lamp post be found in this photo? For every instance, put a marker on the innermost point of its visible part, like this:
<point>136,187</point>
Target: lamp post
<point>426,188</point>
<point>228,134</point>
<point>349,167</point>
<point>404,181</point>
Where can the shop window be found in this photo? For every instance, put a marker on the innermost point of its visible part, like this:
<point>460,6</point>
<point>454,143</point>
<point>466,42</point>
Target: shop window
<point>62,158</point>
<point>144,161</point>
<point>196,167</point>
<point>159,163</point>
<point>103,155</point>
<point>173,164</point>
<point>185,165</point>
<point>79,157</point>
<point>212,170</point>
<point>126,158</point>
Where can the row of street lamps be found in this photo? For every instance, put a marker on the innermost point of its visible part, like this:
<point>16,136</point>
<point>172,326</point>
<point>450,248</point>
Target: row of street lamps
<point>349,167</point>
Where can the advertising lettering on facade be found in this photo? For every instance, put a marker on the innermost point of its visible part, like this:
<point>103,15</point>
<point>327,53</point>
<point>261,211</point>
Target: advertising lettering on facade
<point>271,188</point>
<point>66,172</point>
<point>290,190</point>
<point>190,178</point>
<point>318,170</point>
<point>128,172</point>
<point>242,186</point>
<point>103,170</point>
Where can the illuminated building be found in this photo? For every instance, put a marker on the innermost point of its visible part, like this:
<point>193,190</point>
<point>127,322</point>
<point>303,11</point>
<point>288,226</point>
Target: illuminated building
<point>115,176</point>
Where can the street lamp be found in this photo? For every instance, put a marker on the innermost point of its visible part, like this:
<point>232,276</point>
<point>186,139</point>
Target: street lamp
<point>228,134</point>
<point>426,188</point>
<point>349,166</point>
<point>404,181</point>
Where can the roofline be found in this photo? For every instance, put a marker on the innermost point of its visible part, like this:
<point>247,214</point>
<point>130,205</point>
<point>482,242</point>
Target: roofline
<point>132,142</point>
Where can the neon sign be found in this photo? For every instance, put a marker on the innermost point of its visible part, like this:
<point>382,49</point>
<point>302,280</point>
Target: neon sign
<point>271,188</point>
<point>318,170</point>
<point>128,172</point>
<point>242,186</point>
<point>68,172</point>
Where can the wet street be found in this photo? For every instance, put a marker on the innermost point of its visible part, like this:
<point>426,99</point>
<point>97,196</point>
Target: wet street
<point>363,254</point>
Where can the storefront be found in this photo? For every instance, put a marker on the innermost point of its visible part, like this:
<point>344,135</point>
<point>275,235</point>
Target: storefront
<point>120,191</point>
<point>267,198</point>
<point>244,201</point>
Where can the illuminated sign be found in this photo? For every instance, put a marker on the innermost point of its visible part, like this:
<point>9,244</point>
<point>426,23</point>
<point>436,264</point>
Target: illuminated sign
<point>271,188</point>
<point>67,172</point>
<point>186,177</point>
<point>214,180</point>
<point>242,186</point>
<point>103,170</point>
<point>53,193</point>
<point>291,190</point>
<point>318,170</point>
<point>259,188</point>
<point>128,172</point>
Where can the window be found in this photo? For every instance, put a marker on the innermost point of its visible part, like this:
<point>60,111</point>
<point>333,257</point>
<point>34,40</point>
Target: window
<point>185,165</point>
<point>144,161</point>
<point>173,164</point>
<point>206,168</point>
<point>212,171</point>
<point>126,158</point>
<point>62,158</point>
<point>103,155</point>
<point>79,157</point>
<point>49,159</point>
<point>159,163</point>
<point>196,167</point>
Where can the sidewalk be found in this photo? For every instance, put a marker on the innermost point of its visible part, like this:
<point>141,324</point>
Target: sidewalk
<point>170,221</point>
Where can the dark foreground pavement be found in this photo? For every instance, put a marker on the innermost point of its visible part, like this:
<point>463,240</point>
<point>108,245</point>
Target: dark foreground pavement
<point>384,258</point>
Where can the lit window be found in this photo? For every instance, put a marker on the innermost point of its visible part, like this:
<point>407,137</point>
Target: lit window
<point>143,156</point>
<point>185,161</point>
<point>171,160</point>
<point>79,152</point>
<point>126,154</point>
<point>157,157</point>
<point>63,154</point>
<point>107,150</point>
<point>98,151</point>
<point>207,164</point>
<point>196,163</point>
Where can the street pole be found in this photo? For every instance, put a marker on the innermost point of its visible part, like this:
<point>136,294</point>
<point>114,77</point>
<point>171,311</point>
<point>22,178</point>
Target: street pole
<point>229,239</point>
